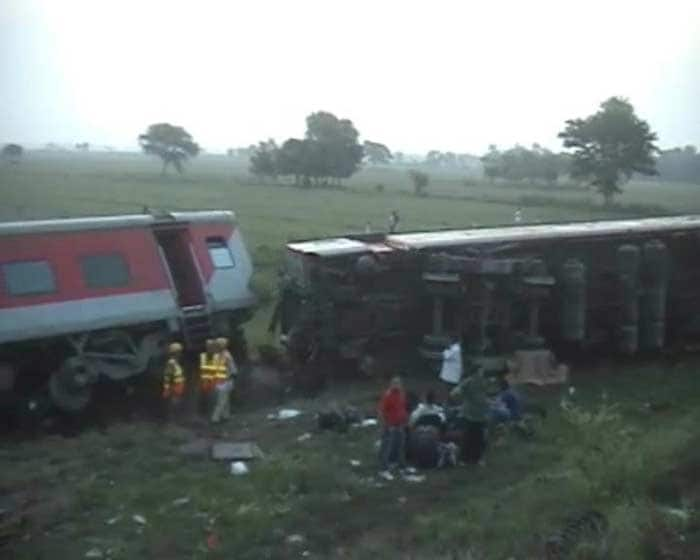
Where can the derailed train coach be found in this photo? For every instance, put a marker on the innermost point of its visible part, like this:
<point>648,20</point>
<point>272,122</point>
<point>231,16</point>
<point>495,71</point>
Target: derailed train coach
<point>617,286</point>
<point>92,298</point>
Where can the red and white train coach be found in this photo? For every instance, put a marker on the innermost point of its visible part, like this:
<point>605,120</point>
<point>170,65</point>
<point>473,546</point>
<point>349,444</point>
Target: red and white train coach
<point>91,297</point>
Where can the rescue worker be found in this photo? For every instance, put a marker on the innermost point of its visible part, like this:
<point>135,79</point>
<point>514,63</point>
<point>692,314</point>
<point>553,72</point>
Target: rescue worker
<point>224,383</point>
<point>173,379</point>
<point>209,365</point>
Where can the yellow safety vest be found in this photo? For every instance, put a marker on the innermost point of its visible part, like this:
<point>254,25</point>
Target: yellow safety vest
<point>212,370</point>
<point>173,376</point>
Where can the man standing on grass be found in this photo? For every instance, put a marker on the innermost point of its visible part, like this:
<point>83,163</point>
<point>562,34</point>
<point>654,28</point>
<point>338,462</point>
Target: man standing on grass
<point>394,221</point>
<point>224,388</point>
<point>475,410</point>
<point>393,417</point>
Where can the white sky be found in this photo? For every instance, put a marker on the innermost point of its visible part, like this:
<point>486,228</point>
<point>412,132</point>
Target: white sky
<point>416,75</point>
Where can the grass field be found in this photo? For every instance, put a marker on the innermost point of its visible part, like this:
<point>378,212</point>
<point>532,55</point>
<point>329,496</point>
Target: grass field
<point>630,454</point>
<point>66,184</point>
<point>628,448</point>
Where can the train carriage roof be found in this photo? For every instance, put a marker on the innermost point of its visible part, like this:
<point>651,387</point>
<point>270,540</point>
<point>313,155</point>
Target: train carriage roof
<point>114,222</point>
<point>356,245</point>
<point>451,238</point>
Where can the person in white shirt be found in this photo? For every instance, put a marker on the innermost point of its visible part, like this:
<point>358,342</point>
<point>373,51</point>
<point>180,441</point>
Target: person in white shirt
<point>451,370</point>
<point>427,408</point>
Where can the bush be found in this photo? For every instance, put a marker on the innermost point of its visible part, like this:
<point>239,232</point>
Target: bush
<point>379,187</point>
<point>420,181</point>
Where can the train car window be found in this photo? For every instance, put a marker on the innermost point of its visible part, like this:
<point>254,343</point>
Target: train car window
<point>29,278</point>
<point>220,253</point>
<point>105,271</point>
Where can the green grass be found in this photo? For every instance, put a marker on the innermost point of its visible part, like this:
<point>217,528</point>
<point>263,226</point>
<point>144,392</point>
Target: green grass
<point>70,184</point>
<point>81,493</point>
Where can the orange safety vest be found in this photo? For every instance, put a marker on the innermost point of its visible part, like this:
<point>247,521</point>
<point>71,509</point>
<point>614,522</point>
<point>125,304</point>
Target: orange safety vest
<point>173,379</point>
<point>212,371</point>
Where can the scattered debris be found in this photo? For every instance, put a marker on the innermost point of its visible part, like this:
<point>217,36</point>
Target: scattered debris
<point>245,508</point>
<point>140,519</point>
<point>661,406</point>
<point>402,500</point>
<point>113,520</point>
<point>213,541</point>
<point>284,414</point>
<point>94,553</point>
<point>224,451</point>
<point>367,422</point>
<point>181,501</point>
<point>682,514</point>
<point>304,437</point>
<point>239,468</point>
<point>295,539</point>
<point>355,463</point>
<point>414,478</point>
<point>196,448</point>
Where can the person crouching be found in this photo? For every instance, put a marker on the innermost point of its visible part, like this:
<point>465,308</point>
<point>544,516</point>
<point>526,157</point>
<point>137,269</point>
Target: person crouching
<point>393,417</point>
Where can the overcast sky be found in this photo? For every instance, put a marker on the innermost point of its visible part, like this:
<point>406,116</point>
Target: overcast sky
<point>416,75</point>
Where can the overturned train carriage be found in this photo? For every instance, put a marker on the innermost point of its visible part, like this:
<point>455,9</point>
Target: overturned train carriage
<point>622,286</point>
<point>91,298</point>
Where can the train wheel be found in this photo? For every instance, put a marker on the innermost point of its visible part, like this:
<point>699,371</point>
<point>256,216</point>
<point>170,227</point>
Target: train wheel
<point>70,386</point>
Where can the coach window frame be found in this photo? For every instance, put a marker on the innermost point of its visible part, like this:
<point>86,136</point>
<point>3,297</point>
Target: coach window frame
<point>125,279</point>
<point>216,243</point>
<point>9,285</point>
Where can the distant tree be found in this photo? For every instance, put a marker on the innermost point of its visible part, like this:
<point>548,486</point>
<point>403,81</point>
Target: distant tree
<point>399,157</point>
<point>433,157</point>
<point>263,160</point>
<point>376,153</point>
<point>680,164</point>
<point>231,152</point>
<point>172,144</point>
<point>492,163</point>
<point>420,181</point>
<point>337,152</point>
<point>610,146</point>
<point>329,150</point>
<point>293,159</point>
<point>12,153</point>
<point>82,146</point>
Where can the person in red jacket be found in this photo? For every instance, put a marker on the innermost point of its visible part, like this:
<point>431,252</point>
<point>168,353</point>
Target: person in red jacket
<point>393,417</point>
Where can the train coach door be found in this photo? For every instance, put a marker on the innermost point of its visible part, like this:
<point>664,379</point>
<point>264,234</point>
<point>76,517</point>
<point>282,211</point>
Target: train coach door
<point>177,252</point>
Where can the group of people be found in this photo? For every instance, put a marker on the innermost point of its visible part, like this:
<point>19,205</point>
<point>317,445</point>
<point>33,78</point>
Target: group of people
<point>217,372</point>
<point>434,435</point>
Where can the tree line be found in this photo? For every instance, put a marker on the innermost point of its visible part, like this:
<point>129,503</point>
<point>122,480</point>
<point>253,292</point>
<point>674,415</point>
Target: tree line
<point>329,152</point>
<point>536,164</point>
<point>605,150</point>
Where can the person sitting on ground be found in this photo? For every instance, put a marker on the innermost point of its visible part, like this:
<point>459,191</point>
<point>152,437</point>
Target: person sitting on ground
<point>475,412</point>
<point>428,413</point>
<point>507,404</point>
<point>393,417</point>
